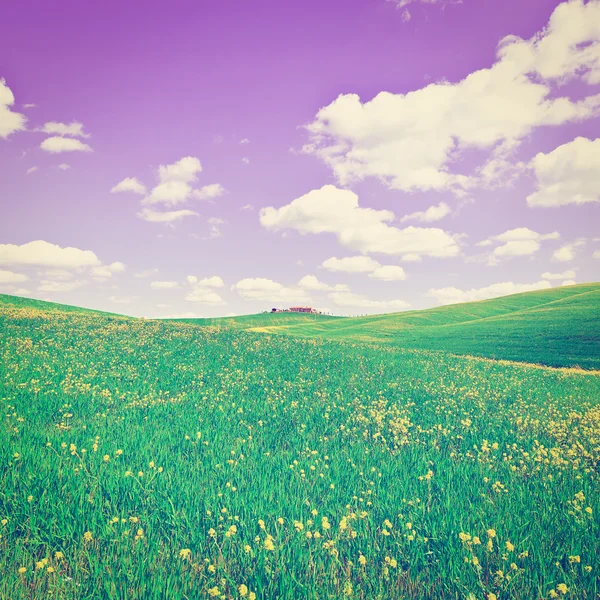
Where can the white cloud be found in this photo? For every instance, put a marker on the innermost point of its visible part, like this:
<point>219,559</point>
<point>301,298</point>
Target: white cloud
<point>64,166</point>
<point>10,277</point>
<point>247,207</point>
<point>351,300</point>
<point>155,216</point>
<point>569,282</point>
<point>570,174</point>
<point>175,182</point>
<point>333,210</point>
<point>146,273</point>
<point>433,213</point>
<point>59,144</point>
<point>10,122</point>
<point>129,184</point>
<point>204,296</point>
<point>567,252</point>
<point>520,241</point>
<point>411,141</point>
<point>246,160</point>
<point>209,192</point>
<point>213,281</point>
<point>411,258</point>
<point>59,286</point>
<point>556,276</point>
<point>365,264</point>
<point>269,291</point>
<point>14,290</point>
<point>73,129</point>
<point>311,283</point>
<point>186,169</point>
<point>58,274</point>
<point>106,271</point>
<point>202,290</point>
<point>31,170</point>
<point>163,285</point>
<point>47,255</point>
<point>351,264</point>
<point>596,254</point>
<point>453,295</point>
<point>215,229</point>
<point>389,273</point>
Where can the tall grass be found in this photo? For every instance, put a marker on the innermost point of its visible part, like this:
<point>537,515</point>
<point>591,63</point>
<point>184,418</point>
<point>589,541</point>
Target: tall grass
<point>144,459</point>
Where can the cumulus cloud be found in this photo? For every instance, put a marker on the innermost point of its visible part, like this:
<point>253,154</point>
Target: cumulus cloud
<point>520,241</point>
<point>270,291</point>
<point>164,285</point>
<point>45,254</point>
<point>10,121</point>
<point>333,210</point>
<point>204,296</point>
<point>411,141</point>
<point>351,264</point>
<point>453,295</point>
<point>209,192</point>
<point>169,216</point>
<point>57,144</point>
<point>365,264</point>
<point>215,227</point>
<point>146,273</point>
<point>10,277</point>
<point>203,290</point>
<point>14,290</point>
<point>351,300</point>
<point>106,271</point>
<point>73,129</point>
<point>129,184</point>
<point>59,286</point>
<point>175,187</point>
<point>567,252</point>
<point>570,174</point>
<point>311,283</point>
<point>557,276</point>
<point>64,166</point>
<point>389,273</point>
<point>433,213</point>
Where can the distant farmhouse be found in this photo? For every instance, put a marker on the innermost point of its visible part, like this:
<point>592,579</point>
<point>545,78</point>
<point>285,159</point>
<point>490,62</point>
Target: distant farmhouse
<point>297,309</point>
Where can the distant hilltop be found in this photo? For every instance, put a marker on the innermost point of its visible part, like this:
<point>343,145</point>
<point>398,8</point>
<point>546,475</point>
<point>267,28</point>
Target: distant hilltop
<point>297,309</point>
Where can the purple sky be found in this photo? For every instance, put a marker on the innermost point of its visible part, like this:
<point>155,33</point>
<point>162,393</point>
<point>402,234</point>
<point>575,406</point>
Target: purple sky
<point>326,125</point>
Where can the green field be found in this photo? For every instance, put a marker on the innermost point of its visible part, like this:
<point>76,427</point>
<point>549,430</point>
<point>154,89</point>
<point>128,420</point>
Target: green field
<point>162,459</point>
<point>557,327</point>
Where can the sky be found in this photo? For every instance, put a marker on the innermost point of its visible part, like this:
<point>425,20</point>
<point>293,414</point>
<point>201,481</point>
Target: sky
<point>209,157</point>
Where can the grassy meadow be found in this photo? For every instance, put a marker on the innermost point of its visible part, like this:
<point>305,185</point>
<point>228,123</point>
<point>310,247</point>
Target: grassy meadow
<point>156,459</point>
<point>558,327</point>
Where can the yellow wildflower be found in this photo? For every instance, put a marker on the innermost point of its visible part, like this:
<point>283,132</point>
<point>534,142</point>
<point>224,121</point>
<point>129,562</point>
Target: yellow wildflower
<point>243,589</point>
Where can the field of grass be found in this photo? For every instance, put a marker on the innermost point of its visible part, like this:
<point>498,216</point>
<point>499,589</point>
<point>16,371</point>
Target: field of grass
<point>556,327</point>
<point>156,459</point>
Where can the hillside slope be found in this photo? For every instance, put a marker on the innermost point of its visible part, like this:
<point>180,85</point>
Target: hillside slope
<point>556,327</point>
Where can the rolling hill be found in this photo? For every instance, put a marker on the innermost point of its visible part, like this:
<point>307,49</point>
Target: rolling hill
<point>556,327</point>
